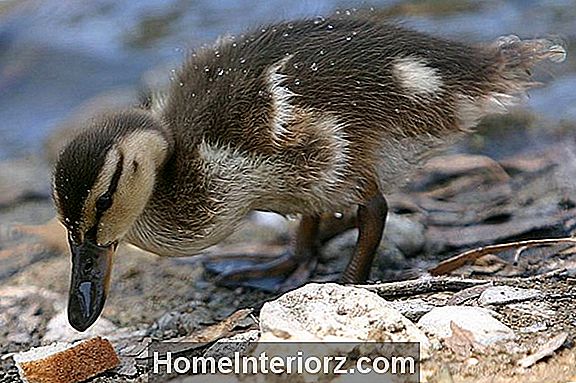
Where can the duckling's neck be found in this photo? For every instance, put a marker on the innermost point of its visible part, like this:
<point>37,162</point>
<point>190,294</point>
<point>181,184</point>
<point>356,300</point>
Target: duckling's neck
<point>215,187</point>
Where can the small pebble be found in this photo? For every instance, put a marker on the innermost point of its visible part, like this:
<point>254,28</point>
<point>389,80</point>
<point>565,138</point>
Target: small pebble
<point>499,295</point>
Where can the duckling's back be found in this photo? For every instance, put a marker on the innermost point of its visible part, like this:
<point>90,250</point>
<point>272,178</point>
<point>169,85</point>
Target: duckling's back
<point>336,105</point>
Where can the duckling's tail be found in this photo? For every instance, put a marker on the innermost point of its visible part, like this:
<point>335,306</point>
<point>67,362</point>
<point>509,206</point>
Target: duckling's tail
<point>508,75</point>
<point>515,58</point>
<point>524,54</point>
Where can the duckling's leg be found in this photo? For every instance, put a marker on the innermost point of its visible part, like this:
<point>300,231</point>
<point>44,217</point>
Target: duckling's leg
<point>331,225</point>
<point>305,253</point>
<point>299,264</point>
<point>296,265</point>
<point>371,220</point>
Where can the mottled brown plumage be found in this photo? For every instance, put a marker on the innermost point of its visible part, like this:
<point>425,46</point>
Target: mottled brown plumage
<point>305,117</point>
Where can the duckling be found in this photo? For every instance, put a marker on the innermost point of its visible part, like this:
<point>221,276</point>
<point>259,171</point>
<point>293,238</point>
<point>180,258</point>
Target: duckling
<point>298,118</point>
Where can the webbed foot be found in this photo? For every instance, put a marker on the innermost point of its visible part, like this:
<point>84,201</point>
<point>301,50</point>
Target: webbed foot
<point>285,270</point>
<point>282,273</point>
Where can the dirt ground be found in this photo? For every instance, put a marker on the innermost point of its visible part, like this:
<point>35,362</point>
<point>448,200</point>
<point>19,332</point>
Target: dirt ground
<point>456,203</point>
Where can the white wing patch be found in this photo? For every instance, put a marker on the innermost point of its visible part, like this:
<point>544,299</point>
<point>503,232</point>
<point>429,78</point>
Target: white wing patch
<point>283,111</point>
<point>159,100</point>
<point>417,77</point>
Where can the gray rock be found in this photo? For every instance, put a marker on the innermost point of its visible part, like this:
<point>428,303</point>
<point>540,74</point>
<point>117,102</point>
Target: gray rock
<point>336,313</point>
<point>23,178</point>
<point>498,295</point>
<point>485,328</point>
<point>185,320</point>
<point>412,309</point>
<point>23,313</point>
<point>406,234</point>
<point>19,337</point>
<point>237,343</point>
<point>128,367</point>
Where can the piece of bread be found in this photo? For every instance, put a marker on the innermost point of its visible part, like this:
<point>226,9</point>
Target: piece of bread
<point>66,363</point>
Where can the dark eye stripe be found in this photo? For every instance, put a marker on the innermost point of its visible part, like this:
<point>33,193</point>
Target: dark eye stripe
<point>105,201</point>
<point>116,176</point>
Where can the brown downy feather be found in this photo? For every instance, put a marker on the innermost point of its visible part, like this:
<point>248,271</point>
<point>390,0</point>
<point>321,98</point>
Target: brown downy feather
<point>524,54</point>
<point>509,76</point>
<point>518,57</point>
<point>307,117</point>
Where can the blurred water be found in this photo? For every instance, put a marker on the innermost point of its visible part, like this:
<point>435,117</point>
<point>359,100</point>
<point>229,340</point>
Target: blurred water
<point>56,54</point>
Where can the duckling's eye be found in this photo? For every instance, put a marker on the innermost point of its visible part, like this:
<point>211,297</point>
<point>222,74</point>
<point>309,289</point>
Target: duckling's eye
<point>104,202</point>
<point>88,266</point>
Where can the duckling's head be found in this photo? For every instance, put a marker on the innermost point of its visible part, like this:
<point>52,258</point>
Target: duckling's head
<point>102,182</point>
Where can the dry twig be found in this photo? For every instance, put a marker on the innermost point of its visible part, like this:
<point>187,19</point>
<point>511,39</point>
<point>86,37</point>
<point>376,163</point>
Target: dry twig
<point>422,286</point>
<point>460,260</point>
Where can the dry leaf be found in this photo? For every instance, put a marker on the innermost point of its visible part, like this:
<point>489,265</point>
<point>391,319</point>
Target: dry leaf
<point>462,341</point>
<point>218,330</point>
<point>545,350</point>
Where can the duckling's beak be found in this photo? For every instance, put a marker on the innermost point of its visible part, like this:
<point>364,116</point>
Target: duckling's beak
<point>91,266</point>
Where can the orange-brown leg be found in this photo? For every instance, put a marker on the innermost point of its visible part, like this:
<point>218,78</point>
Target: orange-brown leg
<point>298,265</point>
<point>332,226</point>
<point>305,253</point>
<point>371,221</point>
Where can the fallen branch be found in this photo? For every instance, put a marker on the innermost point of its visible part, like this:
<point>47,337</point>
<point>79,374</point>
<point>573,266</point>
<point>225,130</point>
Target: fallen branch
<point>422,285</point>
<point>460,260</point>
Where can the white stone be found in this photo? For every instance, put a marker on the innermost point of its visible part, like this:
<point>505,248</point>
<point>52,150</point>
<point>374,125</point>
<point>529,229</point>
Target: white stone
<point>485,328</point>
<point>335,313</point>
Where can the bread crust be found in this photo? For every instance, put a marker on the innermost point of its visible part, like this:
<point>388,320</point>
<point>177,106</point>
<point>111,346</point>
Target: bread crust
<point>76,364</point>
